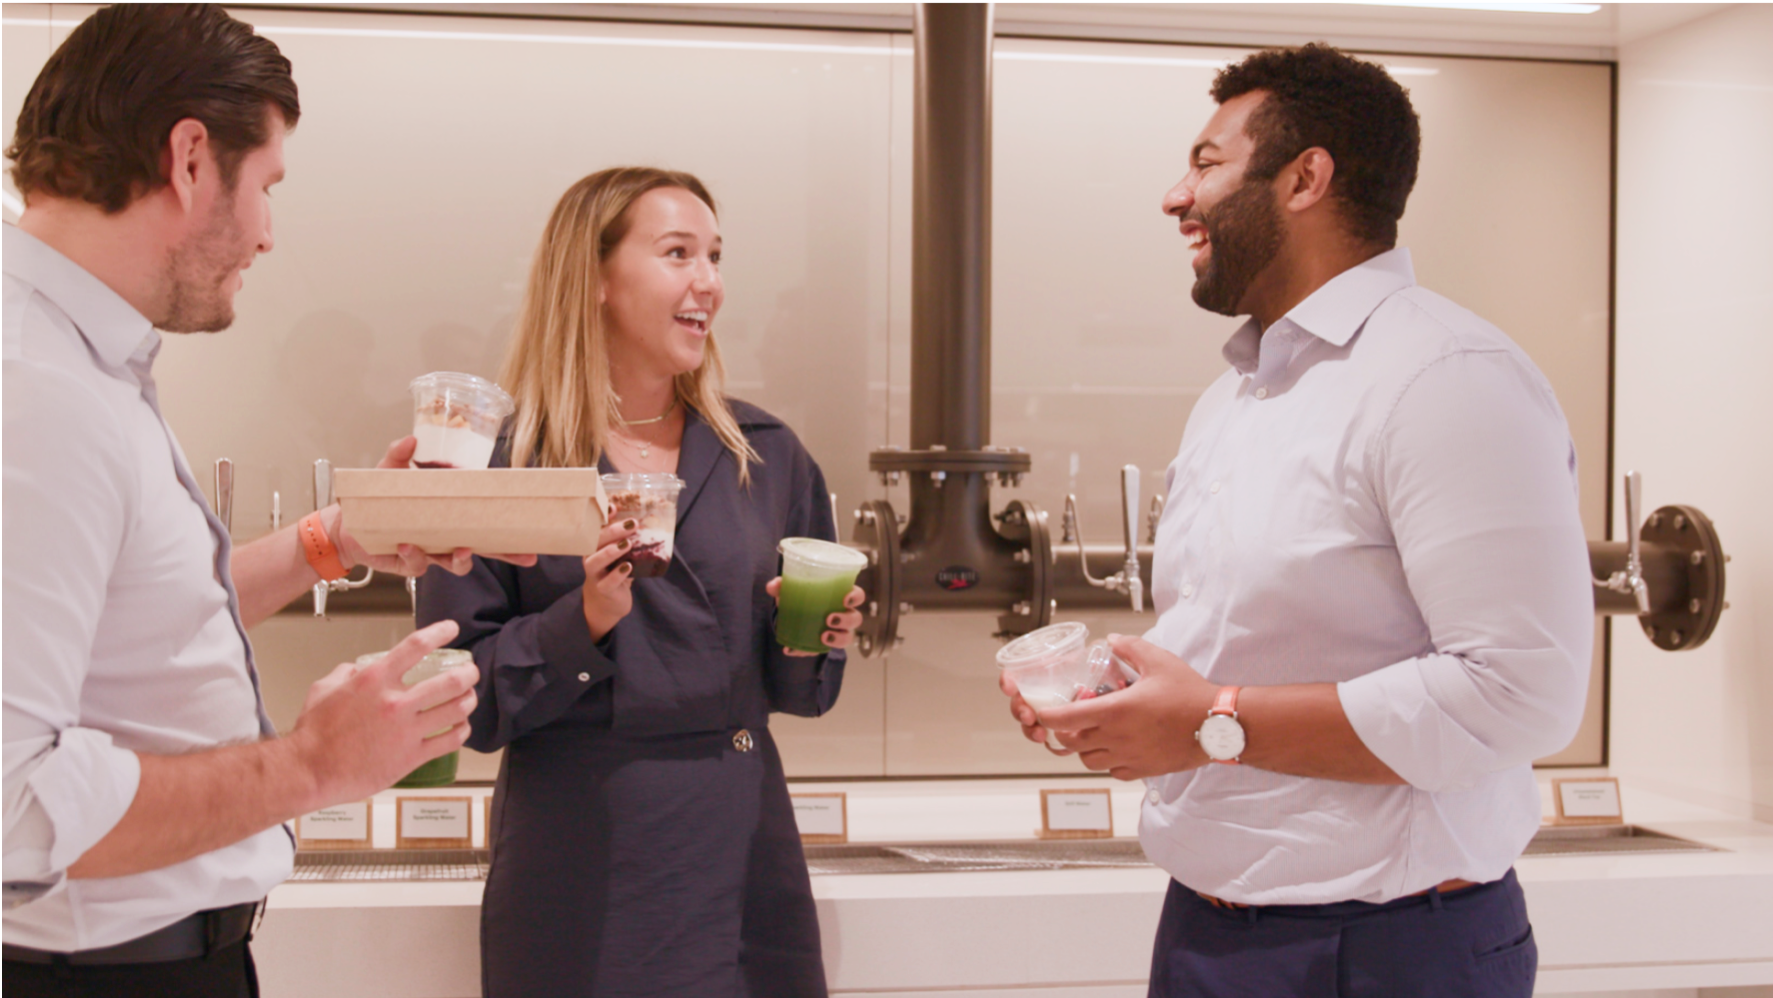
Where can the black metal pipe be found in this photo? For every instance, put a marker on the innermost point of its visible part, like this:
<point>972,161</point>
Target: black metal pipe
<point>951,229</point>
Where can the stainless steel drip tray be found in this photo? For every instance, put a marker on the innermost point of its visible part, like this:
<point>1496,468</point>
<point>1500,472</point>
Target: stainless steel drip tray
<point>968,857</point>
<point>922,857</point>
<point>1591,840</point>
<point>936,857</point>
<point>411,865</point>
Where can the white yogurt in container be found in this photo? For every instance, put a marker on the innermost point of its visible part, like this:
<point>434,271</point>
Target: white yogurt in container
<point>456,418</point>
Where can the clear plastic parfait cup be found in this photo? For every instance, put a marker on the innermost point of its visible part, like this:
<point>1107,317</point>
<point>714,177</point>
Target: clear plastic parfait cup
<point>1055,665</point>
<point>456,418</point>
<point>816,576</point>
<point>441,771</point>
<point>652,501</point>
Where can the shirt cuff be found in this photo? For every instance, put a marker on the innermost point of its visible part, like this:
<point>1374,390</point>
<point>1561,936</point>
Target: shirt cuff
<point>564,640</point>
<point>84,786</point>
<point>1402,724</point>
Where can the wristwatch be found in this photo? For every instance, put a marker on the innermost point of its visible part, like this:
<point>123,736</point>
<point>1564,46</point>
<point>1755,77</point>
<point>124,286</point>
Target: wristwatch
<point>1220,735</point>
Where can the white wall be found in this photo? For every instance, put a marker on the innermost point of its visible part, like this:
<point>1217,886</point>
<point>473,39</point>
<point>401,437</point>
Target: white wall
<point>1694,352</point>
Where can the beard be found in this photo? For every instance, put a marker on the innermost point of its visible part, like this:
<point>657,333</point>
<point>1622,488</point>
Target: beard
<point>200,274</point>
<point>1243,237</point>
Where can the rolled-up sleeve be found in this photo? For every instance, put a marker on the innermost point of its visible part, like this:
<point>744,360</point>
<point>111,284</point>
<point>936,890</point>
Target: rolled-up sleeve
<point>1476,472</point>
<point>70,489</point>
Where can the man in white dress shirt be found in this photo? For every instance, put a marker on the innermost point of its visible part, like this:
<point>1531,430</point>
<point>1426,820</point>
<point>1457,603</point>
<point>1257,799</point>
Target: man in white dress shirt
<point>144,785</point>
<point>1372,586</point>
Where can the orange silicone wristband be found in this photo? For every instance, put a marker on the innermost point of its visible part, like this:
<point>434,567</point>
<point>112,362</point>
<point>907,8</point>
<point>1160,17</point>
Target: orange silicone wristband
<point>318,548</point>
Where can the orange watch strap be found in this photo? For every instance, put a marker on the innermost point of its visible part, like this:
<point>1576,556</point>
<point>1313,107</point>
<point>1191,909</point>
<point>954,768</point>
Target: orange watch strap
<point>318,548</point>
<point>1226,701</point>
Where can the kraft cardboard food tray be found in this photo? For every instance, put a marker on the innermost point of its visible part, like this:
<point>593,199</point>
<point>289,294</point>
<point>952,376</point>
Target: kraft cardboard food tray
<point>495,510</point>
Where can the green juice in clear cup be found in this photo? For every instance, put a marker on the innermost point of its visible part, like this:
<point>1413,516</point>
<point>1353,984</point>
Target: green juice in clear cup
<point>441,771</point>
<point>816,576</point>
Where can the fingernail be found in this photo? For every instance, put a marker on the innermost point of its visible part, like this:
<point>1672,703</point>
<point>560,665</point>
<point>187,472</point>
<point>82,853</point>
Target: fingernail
<point>833,620</point>
<point>625,544</point>
<point>630,524</point>
<point>626,567</point>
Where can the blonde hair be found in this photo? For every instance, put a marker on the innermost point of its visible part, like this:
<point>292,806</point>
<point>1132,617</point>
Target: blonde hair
<point>557,366</point>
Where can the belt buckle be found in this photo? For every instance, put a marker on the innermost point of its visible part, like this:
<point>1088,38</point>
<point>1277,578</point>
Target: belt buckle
<point>743,741</point>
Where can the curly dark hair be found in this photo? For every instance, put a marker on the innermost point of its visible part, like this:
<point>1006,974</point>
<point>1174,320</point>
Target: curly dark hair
<point>1321,97</point>
<point>97,119</point>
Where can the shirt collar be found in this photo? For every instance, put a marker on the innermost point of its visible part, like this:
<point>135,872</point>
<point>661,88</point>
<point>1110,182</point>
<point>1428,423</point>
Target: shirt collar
<point>114,330</point>
<point>1334,312</point>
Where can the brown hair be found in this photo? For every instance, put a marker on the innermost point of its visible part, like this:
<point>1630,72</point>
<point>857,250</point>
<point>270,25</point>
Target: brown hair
<point>557,366</point>
<point>96,121</point>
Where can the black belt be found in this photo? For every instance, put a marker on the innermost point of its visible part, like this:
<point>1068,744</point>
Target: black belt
<point>186,939</point>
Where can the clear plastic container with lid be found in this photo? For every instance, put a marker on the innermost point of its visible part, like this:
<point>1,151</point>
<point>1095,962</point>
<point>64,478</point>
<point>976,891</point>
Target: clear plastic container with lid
<point>1055,665</point>
<point>816,576</point>
<point>651,501</point>
<point>456,418</point>
<point>441,771</point>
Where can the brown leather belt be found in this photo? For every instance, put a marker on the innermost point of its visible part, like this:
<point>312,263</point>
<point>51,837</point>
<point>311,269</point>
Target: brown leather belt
<point>186,939</point>
<point>1442,888</point>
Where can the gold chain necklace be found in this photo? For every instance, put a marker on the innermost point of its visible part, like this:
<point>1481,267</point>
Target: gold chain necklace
<point>656,419</point>
<point>644,446</point>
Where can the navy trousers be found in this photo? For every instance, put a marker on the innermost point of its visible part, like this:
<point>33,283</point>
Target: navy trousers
<point>1470,943</point>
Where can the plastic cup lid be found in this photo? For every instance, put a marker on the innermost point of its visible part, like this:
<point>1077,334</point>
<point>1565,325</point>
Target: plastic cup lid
<point>433,664</point>
<point>666,483</point>
<point>1049,641</point>
<point>488,397</point>
<point>822,554</point>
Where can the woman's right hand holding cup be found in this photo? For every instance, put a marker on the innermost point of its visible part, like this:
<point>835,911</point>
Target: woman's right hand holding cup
<point>609,580</point>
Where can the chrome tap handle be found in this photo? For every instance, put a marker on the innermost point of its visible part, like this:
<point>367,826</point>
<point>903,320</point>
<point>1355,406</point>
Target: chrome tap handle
<point>322,483</point>
<point>276,511</point>
<point>1152,518</point>
<point>1129,508</point>
<point>1129,495</point>
<point>1068,523</point>
<point>1634,559</point>
<point>1630,579</point>
<point>224,493</point>
<point>320,591</point>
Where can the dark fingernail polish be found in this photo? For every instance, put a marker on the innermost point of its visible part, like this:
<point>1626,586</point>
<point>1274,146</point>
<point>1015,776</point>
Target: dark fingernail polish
<point>625,545</point>
<point>630,524</point>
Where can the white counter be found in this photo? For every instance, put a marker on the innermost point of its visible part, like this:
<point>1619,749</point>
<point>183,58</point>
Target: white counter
<point>1604,923</point>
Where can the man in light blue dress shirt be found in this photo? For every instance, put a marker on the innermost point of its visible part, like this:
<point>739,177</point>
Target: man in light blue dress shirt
<point>144,785</point>
<point>1373,596</point>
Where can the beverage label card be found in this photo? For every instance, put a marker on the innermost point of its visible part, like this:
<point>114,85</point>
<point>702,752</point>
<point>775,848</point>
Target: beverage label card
<point>342,826</point>
<point>823,818</point>
<point>1076,814</point>
<point>434,823</point>
<point>1587,801</point>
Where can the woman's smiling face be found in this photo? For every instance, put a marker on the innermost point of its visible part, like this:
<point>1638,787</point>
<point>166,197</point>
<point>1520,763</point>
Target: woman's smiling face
<point>661,285</point>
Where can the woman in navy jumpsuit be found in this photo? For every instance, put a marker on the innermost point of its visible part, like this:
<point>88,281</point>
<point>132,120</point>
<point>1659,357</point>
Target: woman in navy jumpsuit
<point>644,842</point>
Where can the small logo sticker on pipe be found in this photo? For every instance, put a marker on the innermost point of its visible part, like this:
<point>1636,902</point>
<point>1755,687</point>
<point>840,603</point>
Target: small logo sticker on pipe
<point>957,577</point>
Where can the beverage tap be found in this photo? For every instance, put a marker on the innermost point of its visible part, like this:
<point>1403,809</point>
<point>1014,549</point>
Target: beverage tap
<point>323,499</point>
<point>1630,579</point>
<point>1126,580</point>
<point>1129,497</point>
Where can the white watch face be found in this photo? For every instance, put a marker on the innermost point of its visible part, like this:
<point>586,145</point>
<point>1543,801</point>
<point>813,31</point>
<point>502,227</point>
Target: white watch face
<point>1221,737</point>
